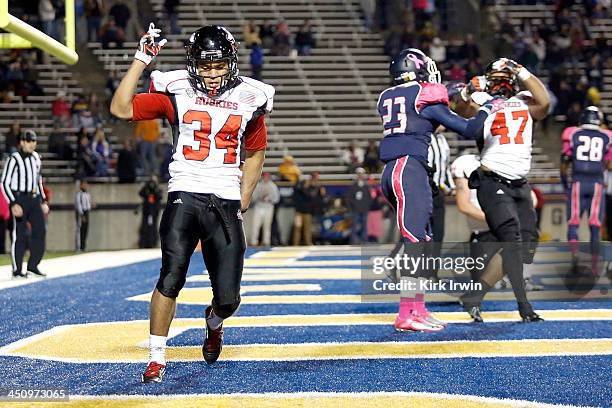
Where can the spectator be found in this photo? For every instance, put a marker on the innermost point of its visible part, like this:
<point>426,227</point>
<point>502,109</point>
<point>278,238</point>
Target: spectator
<point>358,202</point>
<point>112,33</point>
<point>282,40</point>
<point>304,39</point>
<point>5,215</point>
<point>171,11</point>
<point>265,196</point>
<point>120,13</point>
<point>573,114</point>
<point>94,107</point>
<point>94,9</point>
<point>371,163</point>
<point>302,225</point>
<point>11,139</point>
<point>318,200</point>
<point>151,202</point>
<point>375,215</point>
<point>266,33</point>
<point>46,15</point>
<point>84,119</point>
<point>82,207</point>
<point>148,130</point>
<point>437,50</point>
<point>59,145</point>
<point>102,152</point>
<point>470,50</point>
<point>126,163</point>
<point>60,110</point>
<point>456,73</point>
<point>257,61</point>
<point>352,157</point>
<point>288,170</point>
<point>368,8</point>
<point>250,34</point>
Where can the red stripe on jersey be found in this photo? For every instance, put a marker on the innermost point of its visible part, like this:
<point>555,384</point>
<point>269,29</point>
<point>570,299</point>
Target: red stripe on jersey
<point>152,106</point>
<point>256,134</point>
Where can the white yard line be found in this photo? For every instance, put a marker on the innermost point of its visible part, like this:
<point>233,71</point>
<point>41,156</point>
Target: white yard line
<point>81,263</point>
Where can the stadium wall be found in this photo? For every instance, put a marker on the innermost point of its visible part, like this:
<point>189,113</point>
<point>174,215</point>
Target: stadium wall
<point>115,222</point>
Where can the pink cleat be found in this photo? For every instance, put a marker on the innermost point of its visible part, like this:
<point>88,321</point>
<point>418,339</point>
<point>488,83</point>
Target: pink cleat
<point>415,322</point>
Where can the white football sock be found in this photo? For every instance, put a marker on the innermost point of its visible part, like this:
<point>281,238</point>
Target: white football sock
<point>157,349</point>
<point>213,320</point>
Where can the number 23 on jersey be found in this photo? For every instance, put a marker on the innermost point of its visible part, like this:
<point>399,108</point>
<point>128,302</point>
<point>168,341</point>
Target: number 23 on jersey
<point>226,138</point>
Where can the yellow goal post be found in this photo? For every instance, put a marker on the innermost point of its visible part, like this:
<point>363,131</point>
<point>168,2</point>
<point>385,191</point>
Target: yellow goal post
<point>22,35</point>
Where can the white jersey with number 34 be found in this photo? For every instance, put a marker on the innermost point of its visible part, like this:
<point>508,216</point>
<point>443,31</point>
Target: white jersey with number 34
<point>508,135</point>
<point>209,133</point>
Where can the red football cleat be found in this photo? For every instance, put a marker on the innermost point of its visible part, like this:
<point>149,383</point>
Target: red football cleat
<point>154,372</point>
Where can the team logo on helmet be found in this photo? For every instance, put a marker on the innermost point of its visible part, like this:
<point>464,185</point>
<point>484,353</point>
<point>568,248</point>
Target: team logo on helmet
<point>413,65</point>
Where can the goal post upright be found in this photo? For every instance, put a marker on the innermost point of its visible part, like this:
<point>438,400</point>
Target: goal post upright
<point>65,53</point>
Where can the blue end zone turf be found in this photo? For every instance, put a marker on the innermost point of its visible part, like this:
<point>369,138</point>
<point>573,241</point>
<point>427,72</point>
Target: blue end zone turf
<point>101,296</point>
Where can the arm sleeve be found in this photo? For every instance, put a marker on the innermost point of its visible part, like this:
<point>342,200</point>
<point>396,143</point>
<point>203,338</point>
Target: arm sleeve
<point>608,155</point>
<point>467,129</point>
<point>256,134</point>
<point>7,174</point>
<point>152,106</point>
<point>77,203</point>
<point>566,138</point>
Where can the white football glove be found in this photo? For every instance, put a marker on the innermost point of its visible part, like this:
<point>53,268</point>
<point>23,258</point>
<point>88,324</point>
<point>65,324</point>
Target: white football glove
<point>147,47</point>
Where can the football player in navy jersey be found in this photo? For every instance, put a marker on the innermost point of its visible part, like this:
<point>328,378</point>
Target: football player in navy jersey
<point>411,110</point>
<point>587,150</point>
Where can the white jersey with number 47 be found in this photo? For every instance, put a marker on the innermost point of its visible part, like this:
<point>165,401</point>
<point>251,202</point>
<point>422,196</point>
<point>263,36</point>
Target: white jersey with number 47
<point>508,137</point>
<point>210,134</point>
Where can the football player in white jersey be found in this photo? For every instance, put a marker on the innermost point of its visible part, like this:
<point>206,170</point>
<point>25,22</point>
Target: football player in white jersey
<point>219,135</point>
<point>505,153</point>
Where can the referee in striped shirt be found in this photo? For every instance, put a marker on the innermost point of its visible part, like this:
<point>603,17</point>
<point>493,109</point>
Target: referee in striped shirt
<point>439,161</point>
<point>22,187</point>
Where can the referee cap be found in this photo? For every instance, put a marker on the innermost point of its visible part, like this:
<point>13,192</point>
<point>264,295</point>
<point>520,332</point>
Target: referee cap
<point>28,135</point>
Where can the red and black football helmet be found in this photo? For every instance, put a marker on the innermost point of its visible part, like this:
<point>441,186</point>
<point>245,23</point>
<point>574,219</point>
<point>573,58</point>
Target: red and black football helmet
<point>501,79</point>
<point>413,65</point>
<point>212,43</point>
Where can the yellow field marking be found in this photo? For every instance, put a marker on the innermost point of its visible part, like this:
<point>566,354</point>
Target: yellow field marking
<point>118,341</point>
<point>292,262</point>
<point>203,296</point>
<point>98,344</point>
<point>265,274</point>
<point>295,253</point>
<point>297,400</point>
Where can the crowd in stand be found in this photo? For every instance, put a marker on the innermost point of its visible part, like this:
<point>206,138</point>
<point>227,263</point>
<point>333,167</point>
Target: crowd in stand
<point>573,56</point>
<point>19,76</point>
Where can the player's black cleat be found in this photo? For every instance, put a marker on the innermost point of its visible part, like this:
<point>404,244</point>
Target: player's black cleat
<point>474,313</point>
<point>213,340</point>
<point>528,315</point>
<point>19,275</point>
<point>153,373</point>
<point>37,272</point>
<point>531,317</point>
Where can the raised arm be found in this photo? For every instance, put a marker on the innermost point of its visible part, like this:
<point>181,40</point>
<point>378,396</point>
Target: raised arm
<point>121,104</point>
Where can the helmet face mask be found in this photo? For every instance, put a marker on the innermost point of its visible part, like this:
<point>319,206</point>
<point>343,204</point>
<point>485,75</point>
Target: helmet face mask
<point>413,65</point>
<point>501,81</point>
<point>212,60</point>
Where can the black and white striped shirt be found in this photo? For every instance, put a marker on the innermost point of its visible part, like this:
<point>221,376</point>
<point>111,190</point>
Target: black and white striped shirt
<point>82,202</point>
<point>439,159</point>
<point>22,175</point>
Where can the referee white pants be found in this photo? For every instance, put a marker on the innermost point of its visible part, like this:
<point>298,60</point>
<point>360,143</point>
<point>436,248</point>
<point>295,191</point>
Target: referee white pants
<point>262,217</point>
